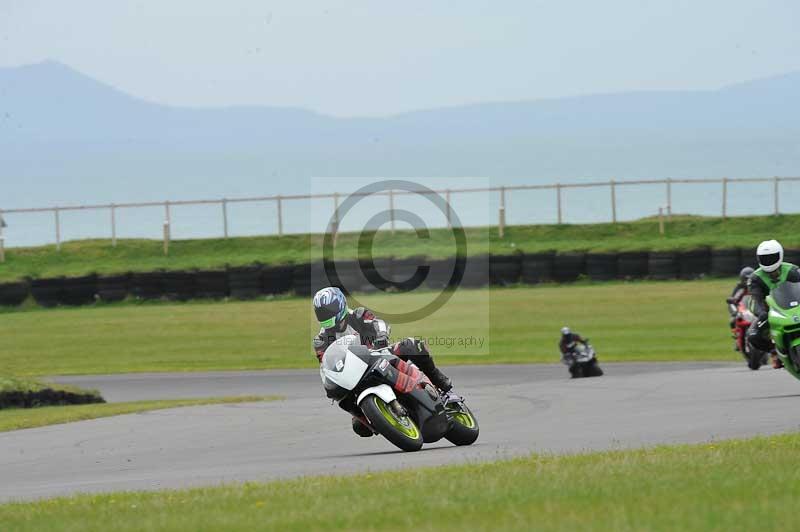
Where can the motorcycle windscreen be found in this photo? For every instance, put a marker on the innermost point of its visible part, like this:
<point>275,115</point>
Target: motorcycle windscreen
<point>787,295</point>
<point>341,368</point>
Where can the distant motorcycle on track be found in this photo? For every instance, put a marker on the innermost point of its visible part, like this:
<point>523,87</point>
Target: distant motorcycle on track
<point>744,317</point>
<point>396,398</point>
<point>581,360</point>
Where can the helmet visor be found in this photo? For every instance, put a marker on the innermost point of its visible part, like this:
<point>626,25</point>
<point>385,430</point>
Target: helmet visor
<point>329,323</point>
<point>769,260</point>
<point>333,320</point>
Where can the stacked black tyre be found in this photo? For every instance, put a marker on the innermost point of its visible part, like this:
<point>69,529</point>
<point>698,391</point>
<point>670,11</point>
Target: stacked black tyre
<point>662,265</point>
<point>633,265</point>
<point>47,292</point>
<point>147,285</point>
<point>78,290</point>
<point>537,267</point>
<point>694,264</point>
<point>505,270</point>
<point>568,267</point>
<point>211,284</point>
<point>276,279</point>
<point>13,294</point>
<point>601,266</point>
<point>113,288</point>
<point>245,282</point>
<point>179,285</point>
<point>726,262</point>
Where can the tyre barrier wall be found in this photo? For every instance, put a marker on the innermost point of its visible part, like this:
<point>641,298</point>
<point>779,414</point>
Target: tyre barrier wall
<point>389,274</point>
<point>46,397</point>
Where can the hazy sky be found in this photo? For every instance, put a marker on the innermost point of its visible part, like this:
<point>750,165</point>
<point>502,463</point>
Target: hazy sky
<point>377,57</point>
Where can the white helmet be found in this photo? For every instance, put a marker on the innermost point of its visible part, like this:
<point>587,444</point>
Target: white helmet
<point>770,255</point>
<point>565,331</point>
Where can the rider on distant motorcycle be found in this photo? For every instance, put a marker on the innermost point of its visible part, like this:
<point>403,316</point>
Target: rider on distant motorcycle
<point>772,272</point>
<point>336,320</point>
<point>739,291</point>
<point>568,339</point>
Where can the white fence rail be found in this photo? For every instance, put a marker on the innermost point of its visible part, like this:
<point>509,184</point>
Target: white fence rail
<point>771,196</point>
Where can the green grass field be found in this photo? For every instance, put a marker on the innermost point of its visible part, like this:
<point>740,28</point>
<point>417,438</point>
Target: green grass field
<point>732,485</point>
<point>636,321</point>
<point>26,418</point>
<point>82,257</point>
<point>19,384</point>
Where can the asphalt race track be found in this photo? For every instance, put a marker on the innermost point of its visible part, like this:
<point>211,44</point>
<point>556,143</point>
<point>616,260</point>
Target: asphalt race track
<point>520,409</point>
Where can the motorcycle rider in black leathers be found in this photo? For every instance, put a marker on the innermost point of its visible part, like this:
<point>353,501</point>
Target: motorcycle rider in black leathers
<point>568,338</point>
<point>739,291</point>
<point>336,320</point>
<point>771,272</point>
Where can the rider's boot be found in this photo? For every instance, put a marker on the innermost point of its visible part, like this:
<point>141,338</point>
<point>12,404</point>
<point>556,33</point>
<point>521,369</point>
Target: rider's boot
<point>777,363</point>
<point>361,427</point>
<point>440,380</point>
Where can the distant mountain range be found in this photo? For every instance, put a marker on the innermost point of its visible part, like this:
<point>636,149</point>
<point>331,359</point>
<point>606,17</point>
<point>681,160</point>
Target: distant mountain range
<point>65,137</point>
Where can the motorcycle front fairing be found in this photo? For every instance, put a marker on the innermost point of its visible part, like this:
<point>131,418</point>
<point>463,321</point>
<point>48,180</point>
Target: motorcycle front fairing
<point>784,323</point>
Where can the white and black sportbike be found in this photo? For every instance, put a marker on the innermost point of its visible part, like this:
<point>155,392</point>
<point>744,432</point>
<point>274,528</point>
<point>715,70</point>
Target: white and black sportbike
<point>396,398</point>
<point>581,360</point>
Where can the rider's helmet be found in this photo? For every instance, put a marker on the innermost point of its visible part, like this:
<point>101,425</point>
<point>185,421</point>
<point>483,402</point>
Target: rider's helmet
<point>330,306</point>
<point>770,255</point>
<point>565,331</point>
<point>745,274</point>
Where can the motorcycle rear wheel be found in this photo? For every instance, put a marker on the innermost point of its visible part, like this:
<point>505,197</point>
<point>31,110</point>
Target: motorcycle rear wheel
<point>400,430</point>
<point>465,428</point>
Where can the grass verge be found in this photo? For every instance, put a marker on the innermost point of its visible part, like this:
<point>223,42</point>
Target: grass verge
<point>26,418</point>
<point>731,485</point>
<point>636,321</point>
<point>684,232</point>
<point>27,392</point>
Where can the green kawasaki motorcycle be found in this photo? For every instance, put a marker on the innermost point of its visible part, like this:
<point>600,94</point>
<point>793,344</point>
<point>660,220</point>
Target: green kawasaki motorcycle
<point>784,324</point>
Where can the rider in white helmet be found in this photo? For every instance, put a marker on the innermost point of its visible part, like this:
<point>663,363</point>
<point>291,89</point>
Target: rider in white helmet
<point>772,271</point>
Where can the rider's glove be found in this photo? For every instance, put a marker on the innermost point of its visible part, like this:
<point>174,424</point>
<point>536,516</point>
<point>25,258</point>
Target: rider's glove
<point>319,347</point>
<point>381,341</point>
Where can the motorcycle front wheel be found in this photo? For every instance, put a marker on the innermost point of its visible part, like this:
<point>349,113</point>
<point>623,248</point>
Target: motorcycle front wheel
<point>398,429</point>
<point>465,428</point>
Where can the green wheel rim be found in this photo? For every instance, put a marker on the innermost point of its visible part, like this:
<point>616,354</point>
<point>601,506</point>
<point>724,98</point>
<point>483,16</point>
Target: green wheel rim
<point>463,418</point>
<point>404,425</point>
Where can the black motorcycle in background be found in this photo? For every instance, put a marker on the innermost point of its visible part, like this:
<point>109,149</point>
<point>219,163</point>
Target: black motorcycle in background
<point>581,360</point>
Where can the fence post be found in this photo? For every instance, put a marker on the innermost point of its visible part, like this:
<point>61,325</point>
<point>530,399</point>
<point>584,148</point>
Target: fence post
<point>2,240</point>
<point>669,199</point>
<point>225,216</point>
<point>775,194</point>
<point>613,201</point>
<point>501,222</point>
<point>167,230</point>
<point>166,237</point>
<point>391,208</point>
<point>113,225</point>
<point>447,200</point>
<point>280,216</point>
<point>558,201</point>
<point>58,228</point>
<point>724,197</point>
